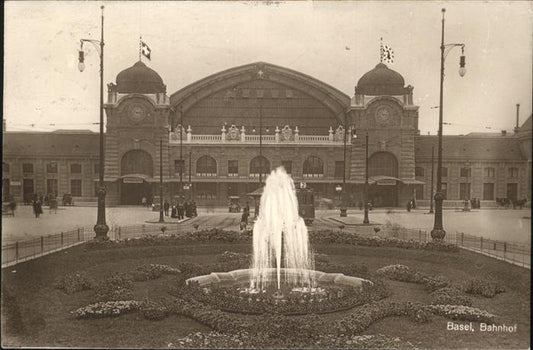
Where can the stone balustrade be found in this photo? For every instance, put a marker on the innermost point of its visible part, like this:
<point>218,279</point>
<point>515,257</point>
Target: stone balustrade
<point>234,134</point>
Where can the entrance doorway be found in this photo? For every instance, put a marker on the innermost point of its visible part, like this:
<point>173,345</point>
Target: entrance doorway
<point>383,196</point>
<point>512,191</point>
<point>27,190</point>
<point>133,190</point>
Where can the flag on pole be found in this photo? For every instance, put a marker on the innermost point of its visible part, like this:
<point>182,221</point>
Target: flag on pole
<point>145,50</point>
<point>386,53</point>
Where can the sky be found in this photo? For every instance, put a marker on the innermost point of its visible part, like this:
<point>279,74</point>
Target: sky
<point>335,42</point>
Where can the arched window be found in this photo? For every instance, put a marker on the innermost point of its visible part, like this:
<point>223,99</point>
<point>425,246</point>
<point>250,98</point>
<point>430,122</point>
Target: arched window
<point>383,163</point>
<point>136,162</point>
<point>206,166</point>
<point>313,167</point>
<point>259,165</point>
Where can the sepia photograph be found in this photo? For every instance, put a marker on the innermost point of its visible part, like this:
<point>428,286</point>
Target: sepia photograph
<point>267,174</point>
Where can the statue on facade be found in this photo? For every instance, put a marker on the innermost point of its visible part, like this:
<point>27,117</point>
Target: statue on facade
<point>286,133</point>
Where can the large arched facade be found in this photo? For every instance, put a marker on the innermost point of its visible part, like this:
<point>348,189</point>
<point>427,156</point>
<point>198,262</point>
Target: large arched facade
<point>276,95</point>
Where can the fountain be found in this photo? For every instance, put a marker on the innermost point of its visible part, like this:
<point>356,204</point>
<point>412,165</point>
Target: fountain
<point>280,233</point>
<point>282,268</point>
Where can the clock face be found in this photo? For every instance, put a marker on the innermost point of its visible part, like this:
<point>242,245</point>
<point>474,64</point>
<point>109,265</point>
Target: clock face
<point>136,113</point>
<point>383,115</point>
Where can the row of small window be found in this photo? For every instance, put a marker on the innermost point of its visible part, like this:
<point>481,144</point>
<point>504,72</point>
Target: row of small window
<point>207,166</point>
<point>51,168</point>
<point>467,172</point>
<point>465,191</point>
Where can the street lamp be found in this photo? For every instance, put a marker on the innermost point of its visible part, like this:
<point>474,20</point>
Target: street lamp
<point>181,152</point>
<point>343,189</point>
<point>438,232</point>
<point>432,173</point>
<point>365,220</point>
<point>101,227</point>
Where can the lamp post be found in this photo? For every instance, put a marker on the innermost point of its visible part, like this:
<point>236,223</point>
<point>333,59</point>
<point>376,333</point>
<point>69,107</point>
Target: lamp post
<point>181,152</point>
<point>261,143</point>
<point>432,173</point>
<point>161,216</point>
<point>101,227</point>
<point>343,194</point>
<point>365,220</point>
<point>438,231</point>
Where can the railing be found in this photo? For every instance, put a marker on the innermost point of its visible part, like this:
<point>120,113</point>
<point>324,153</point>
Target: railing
<point>14,253</point>
<point>267,139</point>
<point>316,138</point>
<point>19,251</point>
<point>512,252</point>
<point>206,138</point>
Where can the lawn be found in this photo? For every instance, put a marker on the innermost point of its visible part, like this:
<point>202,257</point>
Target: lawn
<point>34,313</point>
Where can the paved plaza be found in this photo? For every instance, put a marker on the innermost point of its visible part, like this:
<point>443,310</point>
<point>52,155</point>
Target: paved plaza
<point>506,225</point>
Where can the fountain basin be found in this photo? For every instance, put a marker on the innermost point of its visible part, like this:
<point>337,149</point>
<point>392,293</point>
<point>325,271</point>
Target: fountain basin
<point>232,292</point>
<point>243,276</point>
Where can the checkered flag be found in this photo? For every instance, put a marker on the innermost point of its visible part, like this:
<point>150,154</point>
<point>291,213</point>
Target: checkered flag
<point>387,54</point>
<point>145,50</point>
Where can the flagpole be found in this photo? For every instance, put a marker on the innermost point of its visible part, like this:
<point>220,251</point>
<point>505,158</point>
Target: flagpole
<point>380,50</point>
<point>140,47</point>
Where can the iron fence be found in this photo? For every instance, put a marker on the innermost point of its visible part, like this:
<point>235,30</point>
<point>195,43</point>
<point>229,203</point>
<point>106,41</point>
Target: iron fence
<point>19,251</point>
<point>13,253</point>
<point>513,252</point>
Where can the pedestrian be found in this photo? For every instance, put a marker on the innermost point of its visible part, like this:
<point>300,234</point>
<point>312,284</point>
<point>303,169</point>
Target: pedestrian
<point>408,205</point>
<point>180,210</point>
<point>187,209</point>
<point>12,205</point>
<point>37,207</point>
<point>193,209</point>
<point>52,204</point>
<point>143,201</point>
<point>245,214</point>
<point>166,207</point>
<point>173,213</point>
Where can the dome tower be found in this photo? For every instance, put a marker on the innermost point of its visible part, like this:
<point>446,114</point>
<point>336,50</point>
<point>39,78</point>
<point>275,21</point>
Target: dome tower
<point>138,113</point>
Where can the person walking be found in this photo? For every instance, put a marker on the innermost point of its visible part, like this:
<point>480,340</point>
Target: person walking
<point>37,207</point>
<point>52,201</point>
<point>180,210</point>
<point>166,207</point>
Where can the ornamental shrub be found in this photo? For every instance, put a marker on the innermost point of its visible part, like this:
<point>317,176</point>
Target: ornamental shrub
<point>73,282</point>
<point>480,286</point>
<point>153,311</point>
<point>114,287</point>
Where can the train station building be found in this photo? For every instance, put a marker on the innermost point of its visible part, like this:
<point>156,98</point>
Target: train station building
<point>221,136</point>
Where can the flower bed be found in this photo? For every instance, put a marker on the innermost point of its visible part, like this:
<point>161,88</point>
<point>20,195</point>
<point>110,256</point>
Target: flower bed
<point>219,340</point>
<point>226,236</point>
<point>153,310</point>
<point>479,286</point>
<point>463,313</point>
<point>73,282</point>
<point>106,309</point>
<point>406,274</point>
<point>450,296</point>
<point>333,298</point>
<point>152,271</point>
<point>114,287</point>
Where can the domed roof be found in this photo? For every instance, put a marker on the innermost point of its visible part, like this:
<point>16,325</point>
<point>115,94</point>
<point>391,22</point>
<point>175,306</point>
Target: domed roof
<point>139,79</point>
<point>381,81</point>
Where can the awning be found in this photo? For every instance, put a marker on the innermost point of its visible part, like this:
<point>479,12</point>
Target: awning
<point>257,193</point>
<point>413,182</point>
